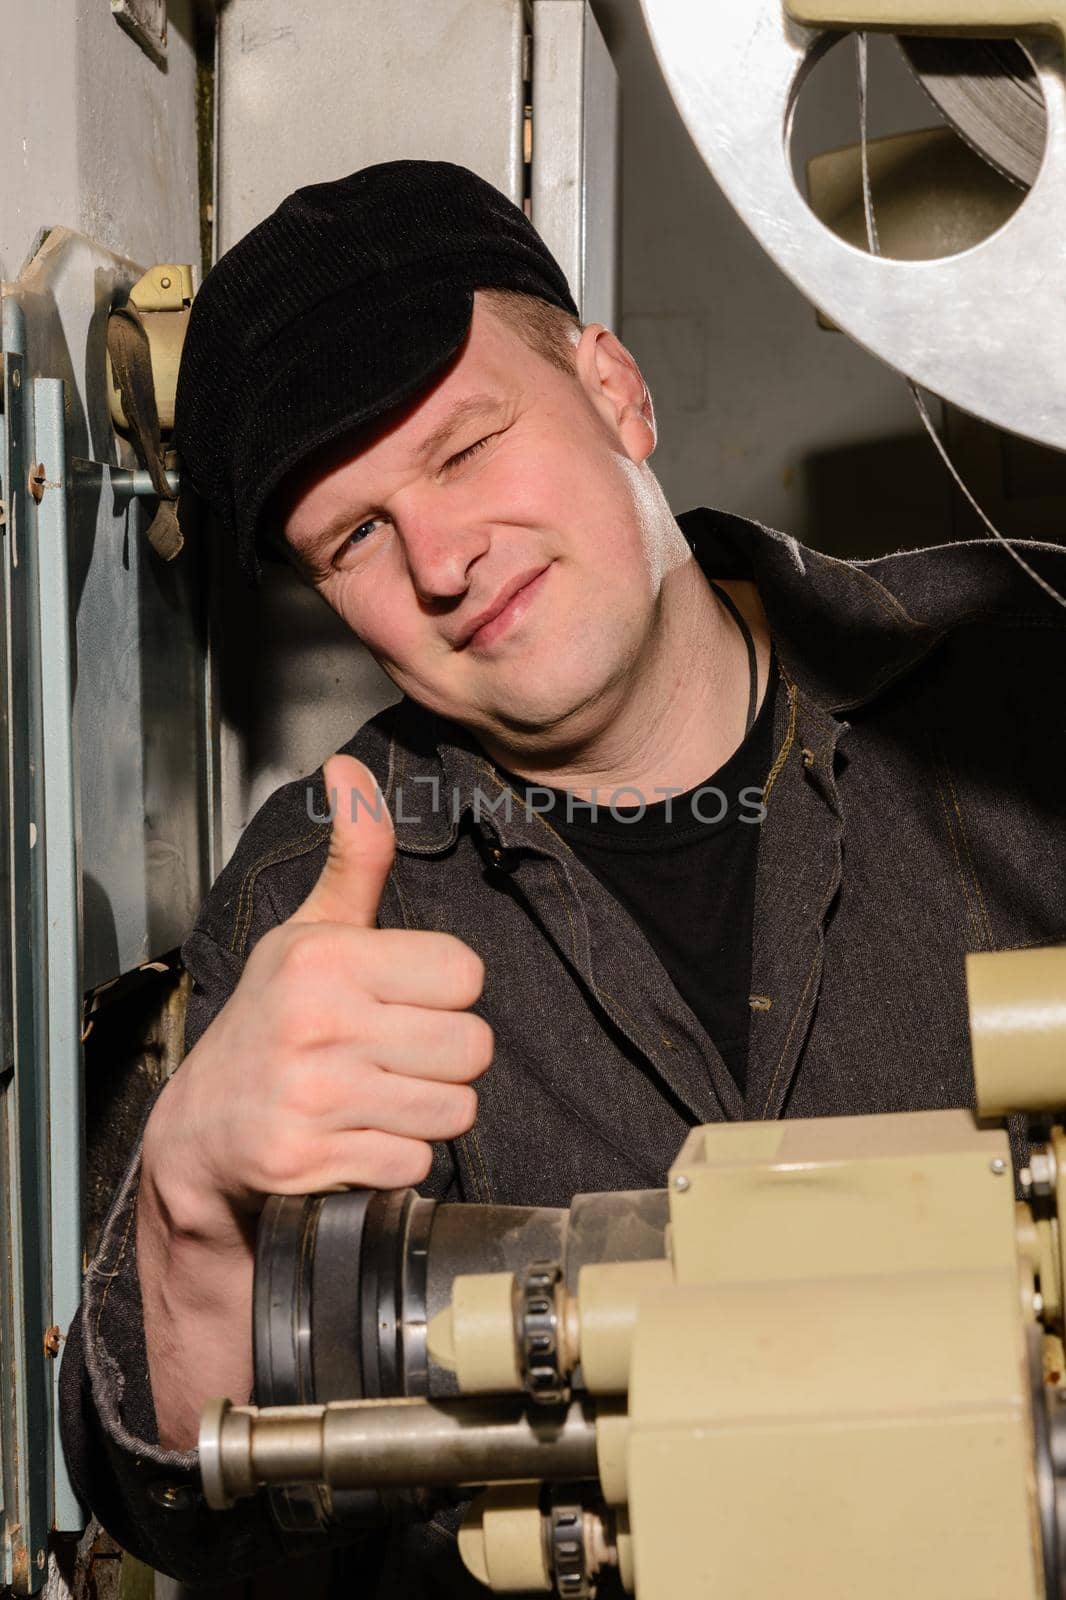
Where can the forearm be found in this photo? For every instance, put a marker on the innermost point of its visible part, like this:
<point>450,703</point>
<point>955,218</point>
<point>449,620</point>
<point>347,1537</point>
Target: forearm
<point>145,1494</point>
<point>196,1289</point>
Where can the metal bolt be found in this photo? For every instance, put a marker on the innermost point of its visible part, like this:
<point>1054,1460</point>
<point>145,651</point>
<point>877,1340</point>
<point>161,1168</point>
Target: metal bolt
<point>681,1183</point>
<point>171,1496</point>
<point>998,1165</point>
<point>164,283</point>
<point>40,1558</point>
<point>16,379</point>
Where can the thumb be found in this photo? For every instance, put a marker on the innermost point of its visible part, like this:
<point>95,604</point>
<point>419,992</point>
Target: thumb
<point>362,845</point>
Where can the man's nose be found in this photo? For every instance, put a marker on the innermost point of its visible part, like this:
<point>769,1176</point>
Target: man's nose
<point>441,547</point>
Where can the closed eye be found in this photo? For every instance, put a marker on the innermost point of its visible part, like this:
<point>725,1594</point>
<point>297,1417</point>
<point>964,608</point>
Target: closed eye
<point>364,531</point>
<point>471,450</point>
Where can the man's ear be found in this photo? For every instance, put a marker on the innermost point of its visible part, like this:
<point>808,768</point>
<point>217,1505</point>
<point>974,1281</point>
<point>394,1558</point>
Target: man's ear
<point>613,382</point>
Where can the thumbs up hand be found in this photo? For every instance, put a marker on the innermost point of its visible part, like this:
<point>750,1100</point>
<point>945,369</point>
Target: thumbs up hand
<point>361,849</point>
<point>343,1052</point>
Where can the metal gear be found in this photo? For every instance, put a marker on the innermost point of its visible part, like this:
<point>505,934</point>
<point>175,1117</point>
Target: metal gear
<point>537,1333</point>
<point>566,1549</point>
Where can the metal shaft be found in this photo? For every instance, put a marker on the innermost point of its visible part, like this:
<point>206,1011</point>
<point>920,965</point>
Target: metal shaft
<point>371,1444</point>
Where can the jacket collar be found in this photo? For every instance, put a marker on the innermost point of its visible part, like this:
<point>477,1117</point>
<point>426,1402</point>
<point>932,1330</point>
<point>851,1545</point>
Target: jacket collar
<point>841,634</point>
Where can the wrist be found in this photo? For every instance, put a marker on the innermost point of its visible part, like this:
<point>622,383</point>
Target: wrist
<point>178,1194</point>
<point>196,1279</point>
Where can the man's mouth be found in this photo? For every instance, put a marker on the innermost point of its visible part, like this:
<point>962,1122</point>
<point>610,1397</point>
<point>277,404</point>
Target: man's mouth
<point>509,606</point>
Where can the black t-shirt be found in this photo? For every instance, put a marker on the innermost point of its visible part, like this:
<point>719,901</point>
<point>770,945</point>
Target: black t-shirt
<point>684,869</point>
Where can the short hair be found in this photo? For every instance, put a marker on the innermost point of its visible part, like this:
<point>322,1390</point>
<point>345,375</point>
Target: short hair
<point>548,330</point>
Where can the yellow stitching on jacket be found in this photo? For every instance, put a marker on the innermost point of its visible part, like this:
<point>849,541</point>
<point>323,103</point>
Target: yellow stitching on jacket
<point>394,879</point>
<point>971,912</point>
<point>461,1144</point>
<point>286,852</point>
<point>782,754</point>
<point>390,773</point>
<point>485,1181</point>
<point>606,1000</point>
<point>792,1027</point>
<point>892,607</point>
<point>895,669</point>
<point>510,789</point>
<point>989,939</point>
<point>566,908</point>
<point>464,1142</point>
<point>394,785</point>
<point>118,1265</point>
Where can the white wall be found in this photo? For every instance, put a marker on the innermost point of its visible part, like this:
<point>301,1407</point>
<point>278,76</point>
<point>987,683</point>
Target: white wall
<point>38,155</point>
<point>310,90</point>
<point>94,135</point>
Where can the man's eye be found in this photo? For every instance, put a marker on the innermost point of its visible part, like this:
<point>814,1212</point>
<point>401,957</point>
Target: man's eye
<point>360,533</point>
<point>471,450</point>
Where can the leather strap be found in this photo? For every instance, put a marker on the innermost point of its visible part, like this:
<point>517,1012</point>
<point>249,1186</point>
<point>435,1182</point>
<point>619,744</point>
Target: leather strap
<point>131,358</point>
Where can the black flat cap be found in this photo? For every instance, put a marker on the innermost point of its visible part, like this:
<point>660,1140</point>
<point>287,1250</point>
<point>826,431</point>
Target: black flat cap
<point>338,307</point>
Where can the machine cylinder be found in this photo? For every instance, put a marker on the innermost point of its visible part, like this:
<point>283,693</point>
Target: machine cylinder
<point>392,1444</point>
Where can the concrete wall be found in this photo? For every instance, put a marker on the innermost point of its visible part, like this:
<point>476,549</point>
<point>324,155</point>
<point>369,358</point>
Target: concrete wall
<point>94,134</point>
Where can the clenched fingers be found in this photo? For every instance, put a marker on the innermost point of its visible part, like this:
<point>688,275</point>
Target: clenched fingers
<point>399,966</point>
<point>343,1093</point>
<point>368,1160</point>
<point>448,1046</point>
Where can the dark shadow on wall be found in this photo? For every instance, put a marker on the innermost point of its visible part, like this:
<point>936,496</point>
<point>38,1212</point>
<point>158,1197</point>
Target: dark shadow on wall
<point>866,499</point>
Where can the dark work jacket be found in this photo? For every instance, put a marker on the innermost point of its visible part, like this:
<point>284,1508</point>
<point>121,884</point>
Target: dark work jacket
<point>914,812</point>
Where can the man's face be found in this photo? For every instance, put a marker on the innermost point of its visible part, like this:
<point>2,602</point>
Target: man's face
<point>499,547</point>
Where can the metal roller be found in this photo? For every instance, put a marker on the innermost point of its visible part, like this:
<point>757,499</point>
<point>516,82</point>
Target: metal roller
<point>735,71</point>
<point>368,1445</point>
<point>989,93</point>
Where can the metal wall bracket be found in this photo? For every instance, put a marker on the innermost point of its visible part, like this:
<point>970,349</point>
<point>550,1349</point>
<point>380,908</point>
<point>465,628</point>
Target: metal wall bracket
<point>145,21</point>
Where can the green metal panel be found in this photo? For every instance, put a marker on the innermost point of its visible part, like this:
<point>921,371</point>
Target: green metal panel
<point>61,958</point>
<point>104,721</point>
<point>26,1398</point>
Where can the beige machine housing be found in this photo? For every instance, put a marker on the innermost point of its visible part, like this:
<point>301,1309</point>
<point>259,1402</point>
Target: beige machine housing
<point>845,1372</point>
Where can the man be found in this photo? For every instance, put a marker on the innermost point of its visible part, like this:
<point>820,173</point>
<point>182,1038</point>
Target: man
<point>681,822</point>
